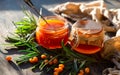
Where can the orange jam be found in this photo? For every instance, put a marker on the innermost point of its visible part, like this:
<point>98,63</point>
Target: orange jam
<point>87,46</point>
<point>86,37</point>
<point>50,35</point>
<point>87,49</point>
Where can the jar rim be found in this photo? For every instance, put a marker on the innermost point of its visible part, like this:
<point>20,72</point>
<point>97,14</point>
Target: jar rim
<point>58,18</point>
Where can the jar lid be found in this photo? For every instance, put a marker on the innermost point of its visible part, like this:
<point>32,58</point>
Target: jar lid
<point>88,26</point>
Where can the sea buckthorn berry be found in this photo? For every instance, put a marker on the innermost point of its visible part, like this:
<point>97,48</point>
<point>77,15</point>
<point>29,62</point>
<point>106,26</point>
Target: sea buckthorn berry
<point>60,69</point>
<point>46,61</point>
<point>56,70</point>
<point>55,73</point>
<point>61,65</point>
<point>50,63</point>
<point>55,61</point>
<point>87,70</point>
<point>31,60</point>
<point>43,56</point>
<point>81,72</point>
<point>35,59</point>
<point>8,58</point>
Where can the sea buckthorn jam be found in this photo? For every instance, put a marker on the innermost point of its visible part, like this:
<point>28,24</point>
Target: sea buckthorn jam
<point>50,34</point>
<point>86,37</point>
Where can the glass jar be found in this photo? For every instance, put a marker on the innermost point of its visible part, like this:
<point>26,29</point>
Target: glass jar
<point>51,35</point>
<point>86,37</point>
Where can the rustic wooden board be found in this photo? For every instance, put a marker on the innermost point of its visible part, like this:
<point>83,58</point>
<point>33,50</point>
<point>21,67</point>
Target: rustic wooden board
<point>10,10</point>
<point>7,69</point>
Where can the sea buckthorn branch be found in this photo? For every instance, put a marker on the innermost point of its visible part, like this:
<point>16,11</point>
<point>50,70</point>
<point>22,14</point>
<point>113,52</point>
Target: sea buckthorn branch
<point>43,65</point>
<point>25,58</point>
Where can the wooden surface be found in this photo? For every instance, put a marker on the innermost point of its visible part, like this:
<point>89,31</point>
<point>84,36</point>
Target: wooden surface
<point>10,10</point>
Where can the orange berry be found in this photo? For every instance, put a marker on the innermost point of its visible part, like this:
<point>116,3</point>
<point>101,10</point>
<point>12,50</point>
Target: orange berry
<point>8,58</point>
<point>55,73</point>
<point>35,59</point>
<point>50,63</point>
<point>43,56</point>
<point>55,61</point>
<point>81,72</point>
<point>87,70</point>
<point>31,60</point>
<point>61,65</point>
<point>60,69</point>
<point>56,70</point>
<point>46,61</point>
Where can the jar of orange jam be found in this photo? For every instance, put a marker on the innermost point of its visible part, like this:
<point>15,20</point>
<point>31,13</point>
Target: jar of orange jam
<point>86,37</point>
<point>50,34</point>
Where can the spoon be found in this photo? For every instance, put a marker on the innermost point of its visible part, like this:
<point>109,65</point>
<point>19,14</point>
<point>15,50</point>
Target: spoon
<point>31,5</point>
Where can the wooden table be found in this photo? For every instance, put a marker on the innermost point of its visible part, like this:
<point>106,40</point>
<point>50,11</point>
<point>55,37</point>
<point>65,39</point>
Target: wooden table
<point>10,10</point>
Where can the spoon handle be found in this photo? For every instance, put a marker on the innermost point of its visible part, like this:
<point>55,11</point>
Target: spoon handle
<point>30,4</point>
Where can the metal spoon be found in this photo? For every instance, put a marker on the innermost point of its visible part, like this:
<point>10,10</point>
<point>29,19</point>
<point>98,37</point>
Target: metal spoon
<point>31,5</point>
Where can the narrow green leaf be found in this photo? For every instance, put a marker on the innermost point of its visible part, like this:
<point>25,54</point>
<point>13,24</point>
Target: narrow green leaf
<point>26,57</point>
<point>82,64</point>
<point>75,65</point>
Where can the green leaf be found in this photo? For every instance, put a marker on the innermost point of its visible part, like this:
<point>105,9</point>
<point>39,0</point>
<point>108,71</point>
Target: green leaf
<point>75,65</point>
<point>26,50</point>
<point>82,64</point>
<point>12,39</point>
<point>26,57</point>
